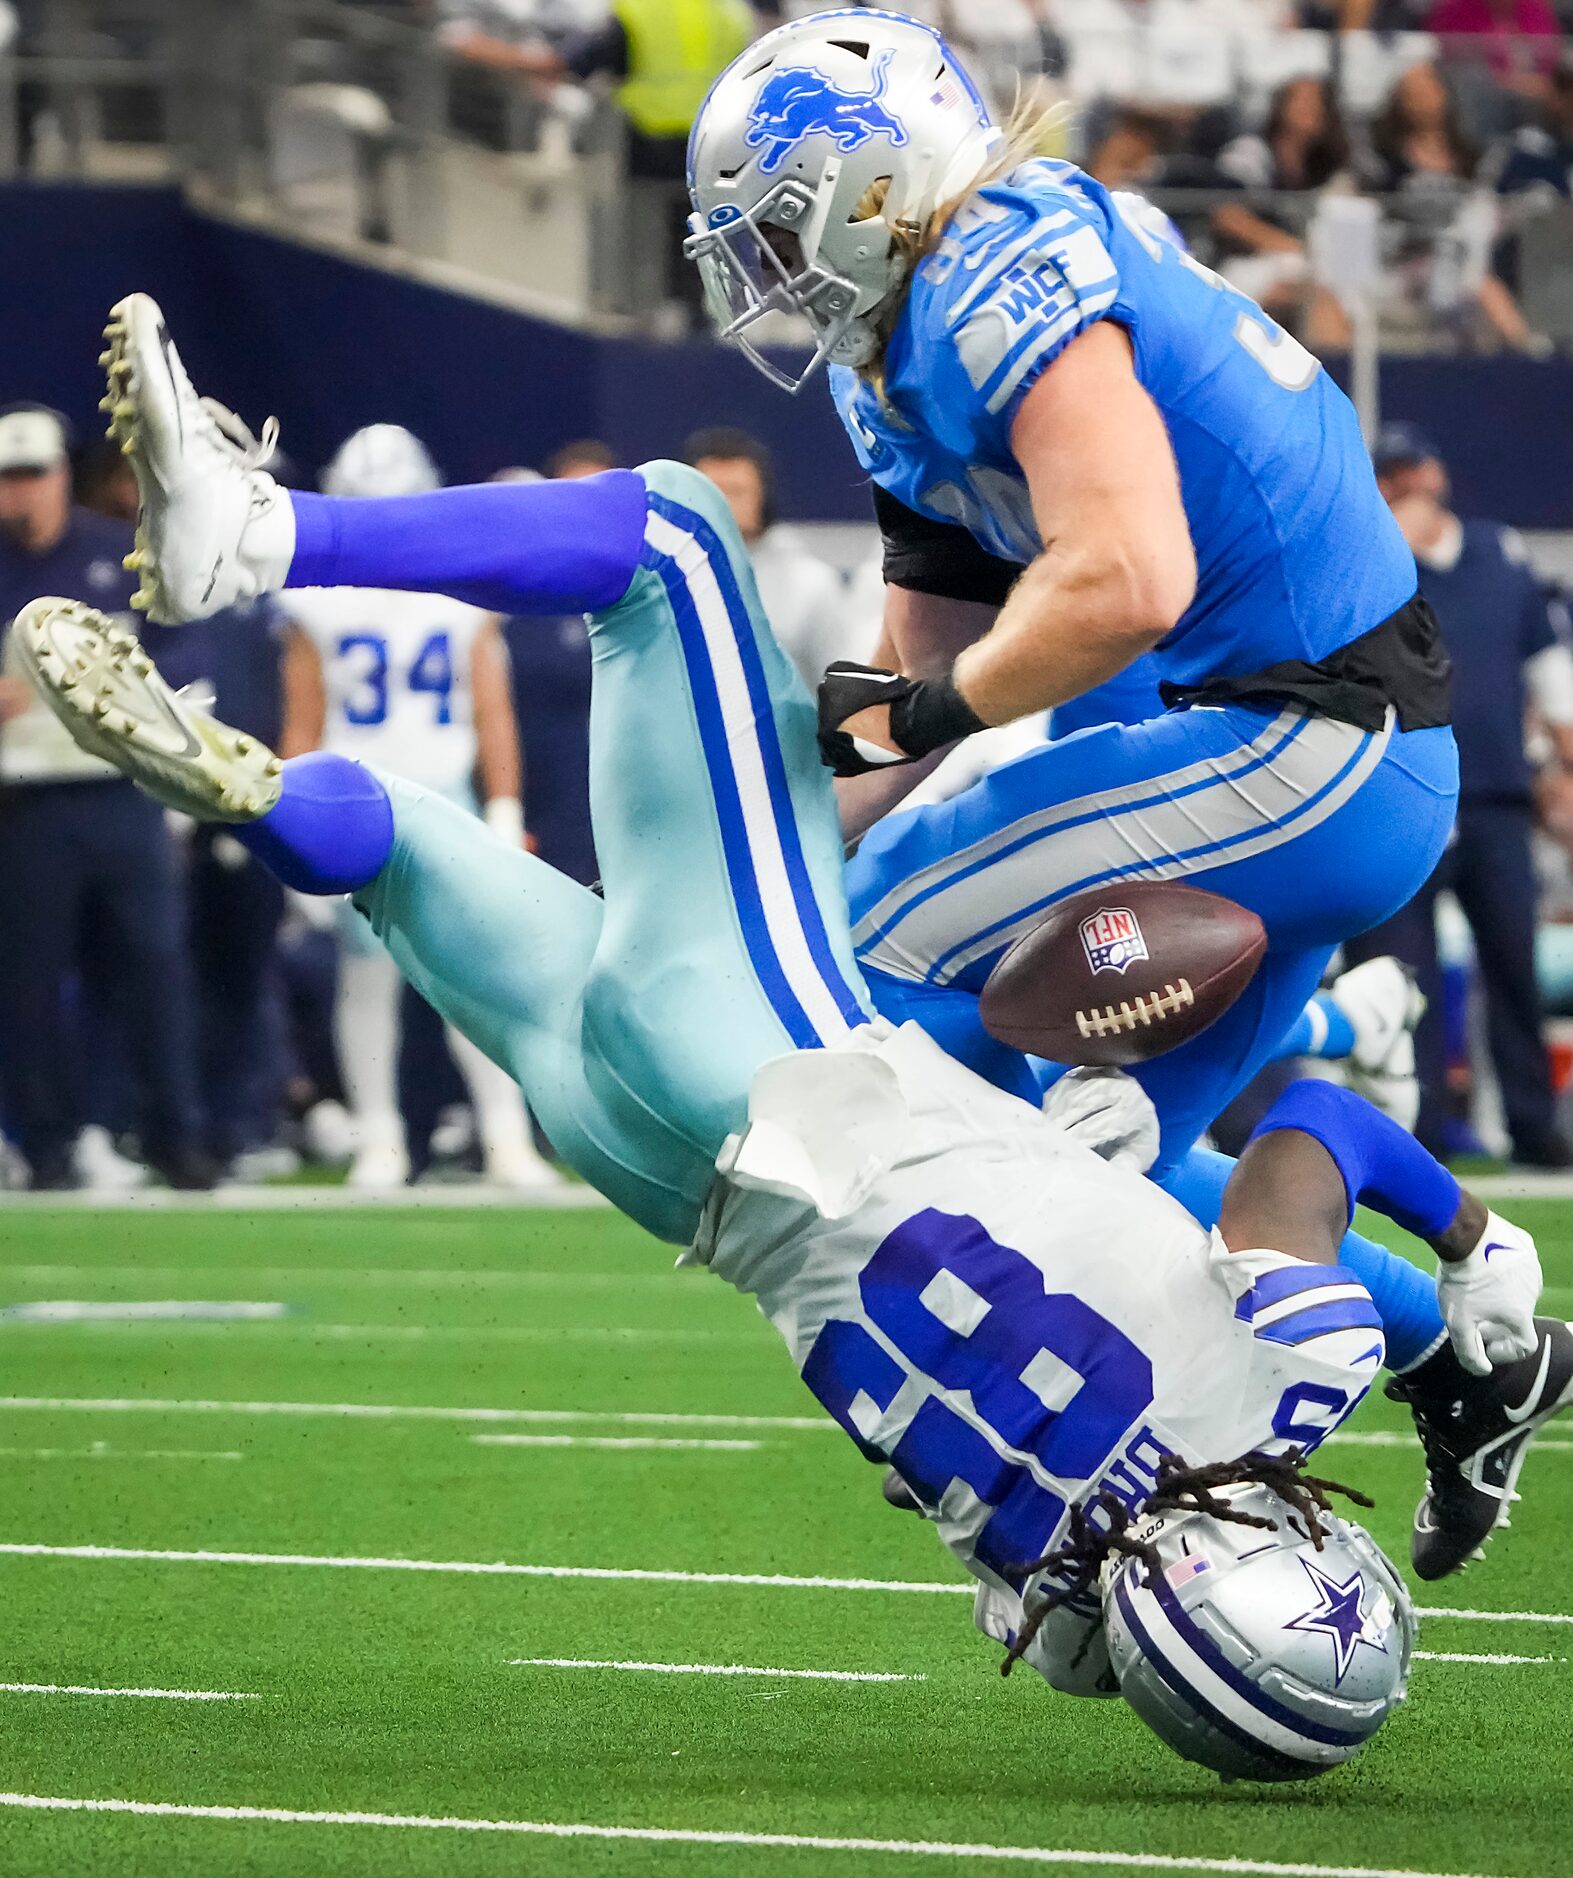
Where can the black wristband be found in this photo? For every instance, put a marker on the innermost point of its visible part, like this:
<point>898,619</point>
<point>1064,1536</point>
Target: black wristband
<point>932,714</point>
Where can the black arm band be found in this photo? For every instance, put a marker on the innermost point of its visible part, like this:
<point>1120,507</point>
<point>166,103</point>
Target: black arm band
<point>931,715</point>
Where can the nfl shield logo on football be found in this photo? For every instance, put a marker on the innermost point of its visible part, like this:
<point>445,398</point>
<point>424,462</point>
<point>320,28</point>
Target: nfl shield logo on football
<point>1112,939</point>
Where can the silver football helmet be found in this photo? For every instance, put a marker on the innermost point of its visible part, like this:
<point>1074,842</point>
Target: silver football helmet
<point>381,460</point>
<point>1253,1652</point>
<point>791,138</point>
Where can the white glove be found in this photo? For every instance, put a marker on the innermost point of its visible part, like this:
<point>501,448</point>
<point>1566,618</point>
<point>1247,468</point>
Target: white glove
<point>1488,1299</point>
<point>1107,1111</point>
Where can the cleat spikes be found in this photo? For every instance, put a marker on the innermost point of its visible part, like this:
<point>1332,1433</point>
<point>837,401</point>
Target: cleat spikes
<point>140,602</point>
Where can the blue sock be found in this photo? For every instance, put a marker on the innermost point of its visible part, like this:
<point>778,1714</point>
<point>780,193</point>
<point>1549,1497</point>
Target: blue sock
<point>1321,1029</point>
<point>1380,1163</point>
<point>1404,1295</point>
<point>329,832</point>
<point>562,547</point>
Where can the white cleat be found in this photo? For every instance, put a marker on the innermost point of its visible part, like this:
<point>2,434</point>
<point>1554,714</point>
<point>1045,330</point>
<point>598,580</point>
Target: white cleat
<point>1383,1004</point>
<point>214,527</point>
<point>101,1167</point>
<point>96,678</point>
<point>522,1167</point>
<point>381,1167</point>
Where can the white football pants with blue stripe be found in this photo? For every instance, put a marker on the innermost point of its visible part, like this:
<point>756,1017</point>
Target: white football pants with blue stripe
<point>1321,828</point>
<point>635,1024</point>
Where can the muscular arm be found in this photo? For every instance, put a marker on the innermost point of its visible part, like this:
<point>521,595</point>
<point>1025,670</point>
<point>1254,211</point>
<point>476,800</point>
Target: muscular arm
<point>305,696</point>
<point>1117,569</point>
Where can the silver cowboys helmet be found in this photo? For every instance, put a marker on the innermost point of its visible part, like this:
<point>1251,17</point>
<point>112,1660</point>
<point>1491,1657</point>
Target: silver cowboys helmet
<point>792,137</point>
<point>381,460</point>
<point>1252,1652</point>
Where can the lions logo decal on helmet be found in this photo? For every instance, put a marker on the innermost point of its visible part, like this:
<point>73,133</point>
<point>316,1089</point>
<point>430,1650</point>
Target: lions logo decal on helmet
<point>799,102</point>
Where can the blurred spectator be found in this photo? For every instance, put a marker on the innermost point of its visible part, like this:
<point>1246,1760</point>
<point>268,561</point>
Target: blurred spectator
<point>550,667</point>
<point>1515,39</point>
<point>1422,155</point>
<point>1418,139</point>
<point>1540,156</point>
<point>1127,155</point>
<point>662,56</point>
<point>87,875</point>
<point>585,456</point>
<point>418,683</point>
<point>804,598</point>
<point>1175,57</point>
<point>1303,149</point>
<point>236,906</point>
<point>1497,624</point>
<point>105,482</point>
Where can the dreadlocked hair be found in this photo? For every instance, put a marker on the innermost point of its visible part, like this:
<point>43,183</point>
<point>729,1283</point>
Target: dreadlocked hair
<point>1180,1489</point>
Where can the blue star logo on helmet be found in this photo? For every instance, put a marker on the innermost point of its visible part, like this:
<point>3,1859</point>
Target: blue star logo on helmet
<point>800,101</point>
<point>1340,1616</point>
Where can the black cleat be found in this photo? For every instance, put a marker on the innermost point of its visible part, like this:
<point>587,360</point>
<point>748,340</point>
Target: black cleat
<point>1476,1431</point>
<point>187,1169</point>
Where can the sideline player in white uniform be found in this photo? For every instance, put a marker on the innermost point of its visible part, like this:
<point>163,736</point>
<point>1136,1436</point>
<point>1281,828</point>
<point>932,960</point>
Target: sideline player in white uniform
<point>418,685</point>
<point>1036,1340</point>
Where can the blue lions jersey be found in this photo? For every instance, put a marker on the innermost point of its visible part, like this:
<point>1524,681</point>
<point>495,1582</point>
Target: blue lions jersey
<point>1296,551</point>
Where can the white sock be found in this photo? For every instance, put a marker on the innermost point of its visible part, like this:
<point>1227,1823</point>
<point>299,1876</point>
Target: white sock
<point>366,1025</point>
<point>501,1118</point>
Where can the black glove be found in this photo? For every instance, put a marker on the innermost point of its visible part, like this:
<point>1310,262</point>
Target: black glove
<point>925,715</point>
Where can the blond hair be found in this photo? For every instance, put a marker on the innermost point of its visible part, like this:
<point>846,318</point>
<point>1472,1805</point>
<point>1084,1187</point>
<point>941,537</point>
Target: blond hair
<point>1035,127</point>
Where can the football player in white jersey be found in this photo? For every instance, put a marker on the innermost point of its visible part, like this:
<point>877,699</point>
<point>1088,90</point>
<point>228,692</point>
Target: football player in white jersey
<point>417,684</point>
<point>1045,1347</point>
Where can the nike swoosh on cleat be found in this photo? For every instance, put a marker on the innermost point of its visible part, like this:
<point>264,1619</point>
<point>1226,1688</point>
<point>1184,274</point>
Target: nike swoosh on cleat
<point>167,348</point>
<point>1495,1246</point>
<point>1532,1401</point>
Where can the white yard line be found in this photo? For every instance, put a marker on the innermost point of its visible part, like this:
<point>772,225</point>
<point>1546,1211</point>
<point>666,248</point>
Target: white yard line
<point>569,1199</point>
<point>136,1322</point>
<point>296,1276</point>
<point>501,1568</point>
<point>616,1441</point>
<point>399,1411</point>
<point>156,1695</point>
<point>477,1568</point>
<point>671,1835</point>
<point>1460,1656</point>
<point>717,1669</point>
<point>1527,1185</point>
<point>1395,1438</point>
<point>157,1312</point>
<point>102,1451</point>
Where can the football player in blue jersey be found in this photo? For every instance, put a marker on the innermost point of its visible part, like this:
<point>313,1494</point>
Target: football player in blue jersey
<point>1087,450</point>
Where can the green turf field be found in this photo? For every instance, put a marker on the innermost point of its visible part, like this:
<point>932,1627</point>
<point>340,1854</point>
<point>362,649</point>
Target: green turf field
<point>463,1388</point>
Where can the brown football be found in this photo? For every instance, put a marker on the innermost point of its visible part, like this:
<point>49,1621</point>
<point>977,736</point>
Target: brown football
<point>1123,973</point>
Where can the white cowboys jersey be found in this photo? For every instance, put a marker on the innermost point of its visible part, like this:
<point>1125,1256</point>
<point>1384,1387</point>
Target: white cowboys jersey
<point>1009,1320</point>
<point>396,667</point>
